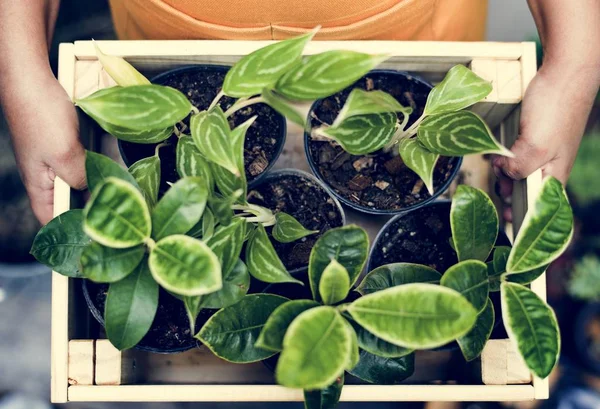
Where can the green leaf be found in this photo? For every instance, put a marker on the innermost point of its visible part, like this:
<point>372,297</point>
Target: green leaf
<point>458,134</point>
<point>120,70</point>
<point>532,326</point>
<point>525,277</point>
<point>263,262</point>
<point>474,223</point>
<point>460,88</point>
<point>212,136</point>
<point>391,275</point>
<point>324,74</point>
<point>180,208</point>
<point>474,341</point>
<point>353,357</point>
<point>349,245</point>
<point>470,278</point>
<point>221,206</point>
<point>59,243</point>
<point>232,332</point>
<point>416,316</point>
<point>362,134</point>
<point>107,265</point>
<point>131,305</point>
<point>287,229</point>
<point>205,228</point>
<point>99,167</point>
<point>498,267</point>
<point>272,334</point>
<point>227,242</point>
<point>316,350</point>
<point>326,398</point>
<point>546,230</point>
<point>235,285</point>
<point>284,107</point>
<point>185,266</point>
<point>190,162</point>
<point>377,346</point>
<point>227,182</point>
<point>193,306</point>
<point>419,160</point>
<point>263,67</point>
<point>139,107</point>
<point>147,175</point>
<point>335,283</point>
<point>383,371</point>
<point>145,136</point>
<point>117,215</point>
<point>362,102</point>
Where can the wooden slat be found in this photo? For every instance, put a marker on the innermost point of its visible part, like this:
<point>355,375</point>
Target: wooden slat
<point>502,365</point>
<point>114,367</point>
<point>81,362</point>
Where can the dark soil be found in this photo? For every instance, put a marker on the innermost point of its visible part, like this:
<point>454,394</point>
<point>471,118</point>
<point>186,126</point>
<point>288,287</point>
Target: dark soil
<point>380,180</point>
<point>170,331</point>
<point>308,202</point>
<point>263,139</point>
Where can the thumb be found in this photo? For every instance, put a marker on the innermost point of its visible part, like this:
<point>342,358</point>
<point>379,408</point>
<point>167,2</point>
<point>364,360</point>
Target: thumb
<point>527,159</point>
<point>70,167</point>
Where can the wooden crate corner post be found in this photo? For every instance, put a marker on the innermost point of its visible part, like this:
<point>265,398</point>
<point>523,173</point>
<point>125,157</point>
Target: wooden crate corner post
<point>114,367</point>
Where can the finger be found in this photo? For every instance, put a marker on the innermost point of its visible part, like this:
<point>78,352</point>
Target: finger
<point>39,184</point>
<point>528,158</point>
<point>505,184</point>
<point>70,167</point>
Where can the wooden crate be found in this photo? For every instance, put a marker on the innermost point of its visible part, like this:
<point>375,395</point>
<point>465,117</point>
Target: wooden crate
<point>85,369</point>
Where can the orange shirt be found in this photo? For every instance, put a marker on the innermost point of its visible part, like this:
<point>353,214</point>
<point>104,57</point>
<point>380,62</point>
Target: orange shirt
<point>458,20</point>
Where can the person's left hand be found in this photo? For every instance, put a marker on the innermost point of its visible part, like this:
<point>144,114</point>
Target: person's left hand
<point>554,113</point>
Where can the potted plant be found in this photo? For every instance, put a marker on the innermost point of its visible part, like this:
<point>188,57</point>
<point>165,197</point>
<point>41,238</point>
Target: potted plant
<point>403,307</point>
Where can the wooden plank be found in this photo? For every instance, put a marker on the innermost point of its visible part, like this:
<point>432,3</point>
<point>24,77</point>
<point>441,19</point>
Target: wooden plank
<point>502,365</point>
<point>275,393</point>
<point>81,362</point>
<point>114,367</point>
<point>59,338</point>
<point>486,69</point>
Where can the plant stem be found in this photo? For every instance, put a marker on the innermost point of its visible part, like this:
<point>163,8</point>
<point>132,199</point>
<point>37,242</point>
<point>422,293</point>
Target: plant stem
<point>216,100</point>
<point>160,145</point>
<point>243,104</point>
<point>413,128</point>
<point>150,243</point>
<point>258,214</point>
<point>195,110</point>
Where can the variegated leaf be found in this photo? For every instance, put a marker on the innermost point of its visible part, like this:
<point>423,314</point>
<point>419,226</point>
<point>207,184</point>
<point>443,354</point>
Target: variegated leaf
<point>120,70</point>
<point>136,136</point>
<point>235,286</point>
<point>190,162</point>
<point>361,102</point>
<point>324,74</point>
<point>335,283</point>
<point>283,106</point>
<point>288,229</point>
<point>99,167</point>
<point>147,175</point>
<point>227,242</point>
<point>419,160</point>
<point>458,134</point>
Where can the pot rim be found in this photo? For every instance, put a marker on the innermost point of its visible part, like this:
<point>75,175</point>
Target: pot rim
<point>369,210</point>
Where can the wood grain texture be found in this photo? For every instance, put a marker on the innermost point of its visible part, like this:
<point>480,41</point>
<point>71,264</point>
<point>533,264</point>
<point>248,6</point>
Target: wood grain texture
<point>114,367</point>
<point>502,365</point>
<point>81,362</point>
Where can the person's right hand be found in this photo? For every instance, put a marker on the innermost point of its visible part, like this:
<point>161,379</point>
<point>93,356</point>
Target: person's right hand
<point>45,134</point>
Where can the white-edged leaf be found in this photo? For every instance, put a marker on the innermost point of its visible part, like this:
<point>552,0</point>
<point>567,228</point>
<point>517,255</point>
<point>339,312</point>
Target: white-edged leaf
<point>419,160</point>
<point>391,275</point>
<point>474,341</point>
<point>288,229</point>
<point>235,286</point>
<point>335,283</point>
<point>147,175</point>
<point>98,167</point>
<point>190,162</point>
<point>361,102</point>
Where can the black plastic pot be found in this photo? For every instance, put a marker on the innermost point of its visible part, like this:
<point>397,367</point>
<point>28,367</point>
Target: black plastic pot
<point>320,201</point>
<point>424,88</point>
<point>164,298</point>
<point>132,152</point>
<point>584,341</point>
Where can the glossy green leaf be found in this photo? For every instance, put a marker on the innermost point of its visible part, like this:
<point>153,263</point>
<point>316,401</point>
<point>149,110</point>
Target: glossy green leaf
<point>377,346</point>
<point>383,371</point>
<point>498,267</point>
<point>460,88</point>
<point>117,215</point>
<point>205,228</point>
<point>190,162</point>
<point>221,206</point>
<point>147,175</point>
<point>419,160</point>
<point>353,357</point>
<point>139,107</point>
<point>263,262</point>
<point>326,398</point>
<point>283,106</point>
<point>238,139</point>
<point>193,306</point>
<point>131,305</point>
<point>227,242</point>
<point>416,316</point>
<point>235,286</point>
<point>324,74</point>
<point>474,223</point>
<point>363,134</point>
<point>525,277</point>
<point>316,350</point>
<point>263,67</point>
<point>145,136</point>
<point>287,229</point>
<point>391,275</point>
<point>59,243</point>
<point>120,70</point>
<point>335,283</point>
<point>227,182</point>
<point>469,278</point>
<point>474,341</point>
<point>532,326</point>
<point>212,136</point>
<point>232,332</point>
<point>361,102</point>
<point>272,334</point>
<point>99,167</point>
<point>180,208</point>
<point>107,265</point>
<point>546,230</point>
<point>349,245</point>
<point>185,266</point>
